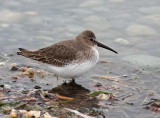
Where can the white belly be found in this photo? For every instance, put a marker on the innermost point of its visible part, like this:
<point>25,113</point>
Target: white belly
<point>76,69</point>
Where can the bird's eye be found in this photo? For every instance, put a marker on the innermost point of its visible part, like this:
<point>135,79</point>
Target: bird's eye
<point>91,39</point>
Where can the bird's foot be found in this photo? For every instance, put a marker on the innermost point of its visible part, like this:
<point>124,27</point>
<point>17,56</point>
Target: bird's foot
<point>72,81</point>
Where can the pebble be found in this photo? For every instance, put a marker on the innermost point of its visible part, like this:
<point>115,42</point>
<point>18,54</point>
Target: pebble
<point>33,114</point>
<point>102,96</point>
<point>2,63</point>
<point>7,86</point>
<point>140,30</point>
<point>37,87</point>
<point>14,68</point>
<point>29,114</point>
<point>13,114</point>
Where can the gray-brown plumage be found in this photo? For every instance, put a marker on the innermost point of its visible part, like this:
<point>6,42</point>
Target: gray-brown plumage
<point>65,52</point>
<point>62,53</point>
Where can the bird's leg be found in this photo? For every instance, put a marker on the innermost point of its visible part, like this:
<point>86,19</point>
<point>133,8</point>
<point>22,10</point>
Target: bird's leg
<point>56,76</point>
<point>73,80</point>
<point>64,81</point>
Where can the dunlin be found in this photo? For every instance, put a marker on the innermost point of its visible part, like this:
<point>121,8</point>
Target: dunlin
<point>70,58</point>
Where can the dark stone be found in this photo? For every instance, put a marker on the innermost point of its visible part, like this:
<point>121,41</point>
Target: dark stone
<point>14,68</point>
<point>37,87</point>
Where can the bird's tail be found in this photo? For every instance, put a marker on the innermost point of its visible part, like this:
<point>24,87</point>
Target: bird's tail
<point>22,51</point>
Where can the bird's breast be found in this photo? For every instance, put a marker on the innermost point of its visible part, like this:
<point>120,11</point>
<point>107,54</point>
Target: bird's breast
<point>76,68</point>
<point>94,55</point>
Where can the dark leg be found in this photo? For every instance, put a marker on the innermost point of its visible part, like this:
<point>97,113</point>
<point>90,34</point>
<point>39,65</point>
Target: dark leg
<point>64,81</point>
<point>56,76</point>
<point>73,80</point>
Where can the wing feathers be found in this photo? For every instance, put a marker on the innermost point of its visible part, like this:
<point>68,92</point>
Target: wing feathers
<point>57,55</point>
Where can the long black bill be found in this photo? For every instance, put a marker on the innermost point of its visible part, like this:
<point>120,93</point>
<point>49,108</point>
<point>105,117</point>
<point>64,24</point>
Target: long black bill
<point>106,47</point>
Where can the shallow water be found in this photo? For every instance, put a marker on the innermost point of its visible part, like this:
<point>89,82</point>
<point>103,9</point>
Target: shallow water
<point>130,27</point>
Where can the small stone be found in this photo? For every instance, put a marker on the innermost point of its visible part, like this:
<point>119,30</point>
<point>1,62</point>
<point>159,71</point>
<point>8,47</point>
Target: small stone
<point>2,85</point>
<point>124,76</point>
<point>98,84</point>
<point>14,68</point>
<point>23,112</point>
<point>33,114</point>
<point>14,79</point>
<point>7,86</point>
<point>2,63</point>
<point>47,115</point>
<point>13,114</point>
<point>37,87</point>
<point>102,96</point>
<point>6,109</point>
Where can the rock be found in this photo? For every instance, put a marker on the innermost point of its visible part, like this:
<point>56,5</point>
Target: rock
<point>144,61</point>
<point>102,96</point>
<point>122,41</point>
<point>13,114</point>
<point>47,115</point>
<point>6,109</point>
<point>29,114</point>
<point>23,112</point>
<point>91,3</point>
<point>37,87</point>
<point>7,86</point>
<point>33,114</point>
<point>140,30</point>
<point>2,63</point>
<point>14,68</point>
